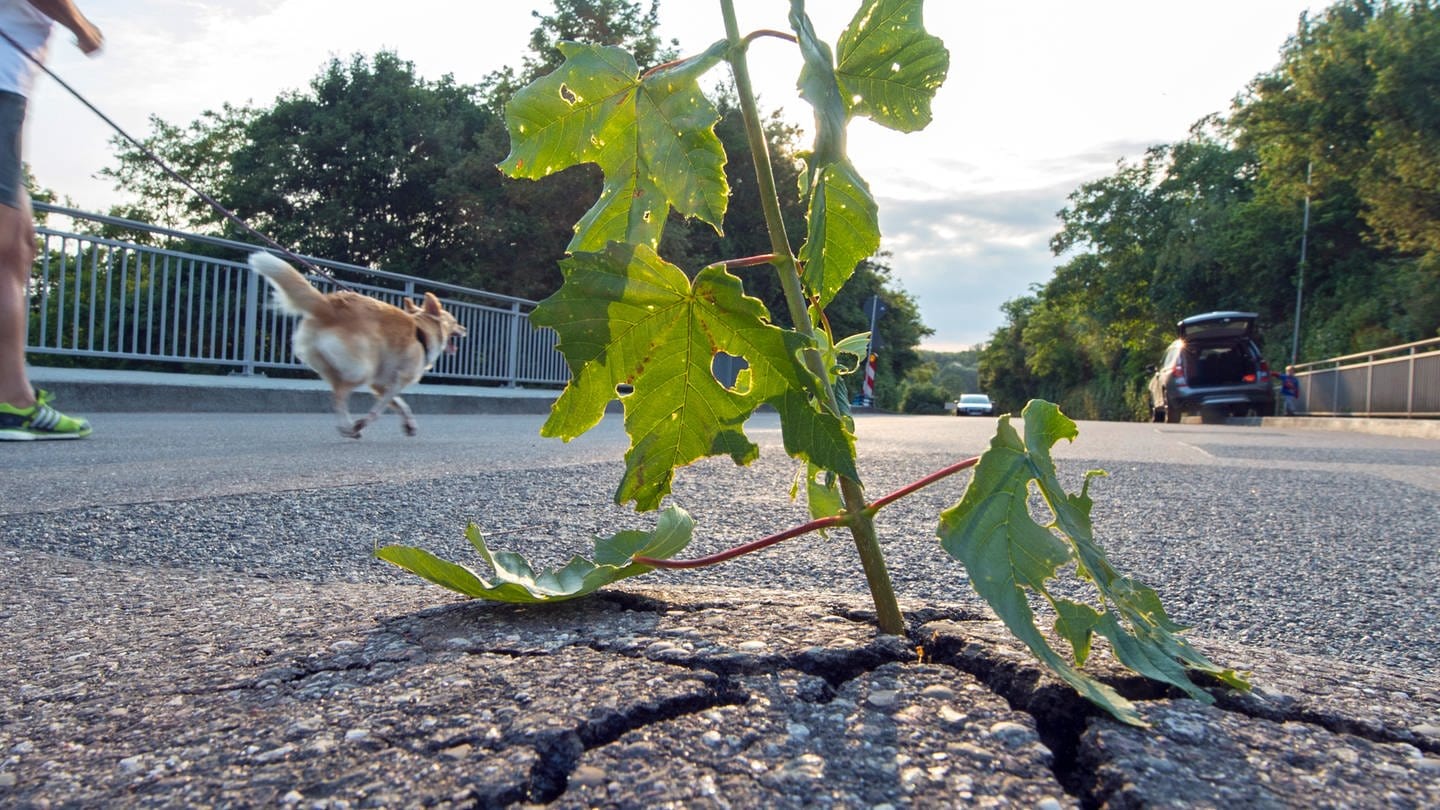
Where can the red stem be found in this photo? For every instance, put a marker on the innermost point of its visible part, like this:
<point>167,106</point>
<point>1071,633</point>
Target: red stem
<point>754,545</point>
<point>769,32</point>
<point>814,525</point>
<point>749,261</point>
<point>880,503</point>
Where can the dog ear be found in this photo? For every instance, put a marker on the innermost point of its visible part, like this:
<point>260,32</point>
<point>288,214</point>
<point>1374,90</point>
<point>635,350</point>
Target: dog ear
<point>410,307</point>
<point>432,305</point>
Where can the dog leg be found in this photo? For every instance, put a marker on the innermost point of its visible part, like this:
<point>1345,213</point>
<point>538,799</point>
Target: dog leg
<point>348,427</point>
<point>407,418</point>
<point>388,398</point>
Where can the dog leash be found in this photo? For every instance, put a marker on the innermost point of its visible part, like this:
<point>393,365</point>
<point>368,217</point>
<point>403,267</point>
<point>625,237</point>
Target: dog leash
<point>157,160</point>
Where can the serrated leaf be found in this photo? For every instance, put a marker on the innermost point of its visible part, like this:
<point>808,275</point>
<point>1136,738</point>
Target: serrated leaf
<point>653,137</point>
<point>889,68</point>
<point>625,317</point>
<point>1009,557</point>
<point>843,229</point>
<point>813,435</point>
<point>515,580</point>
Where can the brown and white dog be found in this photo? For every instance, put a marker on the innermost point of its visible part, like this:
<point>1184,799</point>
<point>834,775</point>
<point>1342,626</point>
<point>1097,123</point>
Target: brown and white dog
<point>352,340</point>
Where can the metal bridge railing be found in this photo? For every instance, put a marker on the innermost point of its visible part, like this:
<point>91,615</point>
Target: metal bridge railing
<point>93,296</point>
<point>1397,381</point>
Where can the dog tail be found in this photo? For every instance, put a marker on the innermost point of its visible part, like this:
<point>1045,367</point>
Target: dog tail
<point>292,291</point>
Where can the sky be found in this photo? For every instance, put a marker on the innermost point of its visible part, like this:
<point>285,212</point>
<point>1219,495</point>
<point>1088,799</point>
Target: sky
<point>1041,97</point>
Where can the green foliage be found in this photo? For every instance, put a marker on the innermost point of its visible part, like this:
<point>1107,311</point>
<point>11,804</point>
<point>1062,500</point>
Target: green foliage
<point>636,327</point>
<point>515,580</point>
<point>924,398</point>
<point>652,137</point>
<point>625,317</point>
<point>1214,222</point>
<point>1008,557</point>
<point>955,372</point>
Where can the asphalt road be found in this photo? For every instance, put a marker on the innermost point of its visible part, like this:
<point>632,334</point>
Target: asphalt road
<point>1314,542</point>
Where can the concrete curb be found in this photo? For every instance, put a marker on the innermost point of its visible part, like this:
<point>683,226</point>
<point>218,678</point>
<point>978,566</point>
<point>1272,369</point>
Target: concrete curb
<point>151,687</point>
<point>82,391</point>
<point>1408,428</point>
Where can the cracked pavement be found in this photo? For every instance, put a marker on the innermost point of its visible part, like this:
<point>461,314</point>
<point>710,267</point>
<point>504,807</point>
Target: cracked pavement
<point>252,683</point>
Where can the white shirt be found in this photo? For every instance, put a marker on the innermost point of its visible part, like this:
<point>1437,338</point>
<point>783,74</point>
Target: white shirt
<point>28,26</point>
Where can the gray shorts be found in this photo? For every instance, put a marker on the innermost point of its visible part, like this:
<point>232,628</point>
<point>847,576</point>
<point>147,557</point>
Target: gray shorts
<point>12,125</point>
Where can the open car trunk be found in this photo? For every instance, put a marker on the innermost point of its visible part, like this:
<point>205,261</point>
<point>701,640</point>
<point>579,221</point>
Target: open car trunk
<point>1212,366</point>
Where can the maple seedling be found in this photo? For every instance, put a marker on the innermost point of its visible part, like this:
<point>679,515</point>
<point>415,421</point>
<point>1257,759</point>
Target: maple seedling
<point>636,327</point>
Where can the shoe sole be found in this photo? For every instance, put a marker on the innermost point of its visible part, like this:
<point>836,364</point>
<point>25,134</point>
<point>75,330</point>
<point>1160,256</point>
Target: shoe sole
<point>27,436</point>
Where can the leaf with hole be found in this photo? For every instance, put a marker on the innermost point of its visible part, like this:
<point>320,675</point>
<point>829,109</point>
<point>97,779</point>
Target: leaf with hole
<point>625,317</point>
<point>652,136</point>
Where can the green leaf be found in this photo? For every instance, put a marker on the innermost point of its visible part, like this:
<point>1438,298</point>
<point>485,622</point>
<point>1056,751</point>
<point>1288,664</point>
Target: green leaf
<point>625,318</point>
<point>515,580</point>
<point>843,229</point>
<point>822,492</point>
<point>820,88</point>
<point>856,346</point>
<point>889,67</point>
<point>812,434</point>
<point>843,221</point>
<point>653,137</point>
<point>1009,557</point>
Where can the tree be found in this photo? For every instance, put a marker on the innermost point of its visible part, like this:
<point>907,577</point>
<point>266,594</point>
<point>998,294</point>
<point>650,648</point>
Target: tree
<point>199,152</point>
<point>374,167</point>
<point>598,22</point>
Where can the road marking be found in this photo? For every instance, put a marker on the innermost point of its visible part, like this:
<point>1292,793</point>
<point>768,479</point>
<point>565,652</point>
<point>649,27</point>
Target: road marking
<point>1197,448</point>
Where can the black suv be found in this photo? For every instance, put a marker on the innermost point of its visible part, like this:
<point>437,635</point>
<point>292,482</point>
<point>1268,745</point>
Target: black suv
<point>1213,367</point>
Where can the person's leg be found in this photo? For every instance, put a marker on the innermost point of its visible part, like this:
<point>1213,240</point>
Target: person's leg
<point>16,256</point>
<point>25,413</point>
<point>17,253</point>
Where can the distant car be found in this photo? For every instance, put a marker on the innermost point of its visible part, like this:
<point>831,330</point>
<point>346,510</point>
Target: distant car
<point>974,405</point>
<point>1213,366</point>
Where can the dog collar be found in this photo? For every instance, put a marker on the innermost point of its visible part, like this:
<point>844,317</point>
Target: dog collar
<point>420,336</point>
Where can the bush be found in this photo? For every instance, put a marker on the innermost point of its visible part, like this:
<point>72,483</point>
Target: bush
<point>924,397</point>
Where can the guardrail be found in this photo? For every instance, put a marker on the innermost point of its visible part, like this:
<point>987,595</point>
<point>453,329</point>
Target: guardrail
<point>1396,381</point>
<point>144,293</point>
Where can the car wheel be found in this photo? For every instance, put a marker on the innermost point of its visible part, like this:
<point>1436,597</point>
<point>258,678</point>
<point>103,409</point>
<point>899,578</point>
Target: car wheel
<point>1172,413</point>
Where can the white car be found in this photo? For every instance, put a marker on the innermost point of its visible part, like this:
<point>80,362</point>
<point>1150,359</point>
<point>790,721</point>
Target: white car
<point>974,405</point>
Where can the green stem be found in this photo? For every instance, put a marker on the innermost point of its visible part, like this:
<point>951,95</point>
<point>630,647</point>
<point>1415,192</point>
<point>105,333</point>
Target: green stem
<point>862,527</point>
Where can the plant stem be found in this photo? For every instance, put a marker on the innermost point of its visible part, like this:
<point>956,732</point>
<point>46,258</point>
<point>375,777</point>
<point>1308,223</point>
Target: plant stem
<point>813,526</point>
<point>745,548</point>
<point>862,527</point>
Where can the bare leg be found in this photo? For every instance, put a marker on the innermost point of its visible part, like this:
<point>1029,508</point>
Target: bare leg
<point>17,255</point>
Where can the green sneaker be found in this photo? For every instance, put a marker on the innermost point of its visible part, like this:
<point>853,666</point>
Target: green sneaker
<point>39,421</point>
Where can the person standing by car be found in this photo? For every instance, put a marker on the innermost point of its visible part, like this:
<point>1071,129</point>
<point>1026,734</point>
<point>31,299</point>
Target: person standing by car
<point>1289,390</point>
<point>25,412</point>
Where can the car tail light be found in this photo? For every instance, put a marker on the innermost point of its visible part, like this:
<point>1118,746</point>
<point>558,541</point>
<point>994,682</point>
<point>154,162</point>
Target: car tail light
<point>1178,373</point>
<point>1248,378</point>
<point>1264,370</point>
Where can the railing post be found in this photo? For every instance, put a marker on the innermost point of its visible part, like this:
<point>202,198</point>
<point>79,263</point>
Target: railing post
<point>252,324</point>
<point>1369,383</point>
<point>512,362</point>
<point>1410,392</point>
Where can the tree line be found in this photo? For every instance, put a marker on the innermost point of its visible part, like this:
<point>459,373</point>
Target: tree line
<point>376,166</point>
<point>1349,118</point>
